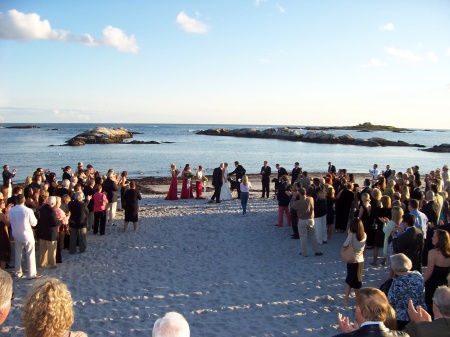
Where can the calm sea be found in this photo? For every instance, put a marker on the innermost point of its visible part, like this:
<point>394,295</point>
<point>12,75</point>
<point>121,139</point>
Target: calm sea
<point>27,149</point>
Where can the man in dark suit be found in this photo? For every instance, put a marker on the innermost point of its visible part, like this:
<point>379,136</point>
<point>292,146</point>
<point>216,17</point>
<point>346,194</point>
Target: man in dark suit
<point>410,242</point>
<point>266,171</point>
<point>372,308</point>
<point>217,183</point>
<point>240,172</point>
<point>331,168</point>
<point>281,172</point>
<point>421,324</point>
<point>388,172</point>
<point>416,193</point>
<point>296,171</point>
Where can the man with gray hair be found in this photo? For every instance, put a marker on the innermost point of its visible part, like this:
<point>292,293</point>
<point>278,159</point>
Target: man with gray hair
<point>6,294</point>
<point>110,187</point>
<point>47,232</point>
<point>79,214</point>
<point>172,324</point>
<point>421,324</point>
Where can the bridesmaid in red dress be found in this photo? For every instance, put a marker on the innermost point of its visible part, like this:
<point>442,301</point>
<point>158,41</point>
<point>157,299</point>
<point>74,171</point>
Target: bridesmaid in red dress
<point>173,189</point>
<point>199,183</point>
<point>186,188</point>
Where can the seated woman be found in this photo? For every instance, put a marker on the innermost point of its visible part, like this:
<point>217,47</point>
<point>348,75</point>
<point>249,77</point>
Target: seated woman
<point>48,310</point>
<point>409,285</point>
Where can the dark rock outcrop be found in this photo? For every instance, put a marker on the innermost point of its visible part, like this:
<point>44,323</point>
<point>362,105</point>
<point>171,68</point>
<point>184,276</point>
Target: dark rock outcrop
<point>100,135</point>
<point>289,134</point>
<point>364,127</point>
<point>443,148</point>
<point>23,127</point>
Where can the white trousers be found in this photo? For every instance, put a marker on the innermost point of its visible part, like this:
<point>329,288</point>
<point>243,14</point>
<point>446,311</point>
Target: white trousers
<point>321,229</point>
<point>111,212</point>
<point>31,258</point>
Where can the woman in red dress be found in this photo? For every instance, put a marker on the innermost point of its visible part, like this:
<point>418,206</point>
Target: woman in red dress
<point>199,183</point>
<point>173,189</point>
<point>186,188</point>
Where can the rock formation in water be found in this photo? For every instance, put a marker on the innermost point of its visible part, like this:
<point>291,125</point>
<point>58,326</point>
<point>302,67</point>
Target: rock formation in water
<point>100,135</point>
<point>443,148</point>
<point>291,134</point>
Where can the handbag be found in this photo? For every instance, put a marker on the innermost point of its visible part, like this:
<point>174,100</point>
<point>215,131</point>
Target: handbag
<point>348,254</point>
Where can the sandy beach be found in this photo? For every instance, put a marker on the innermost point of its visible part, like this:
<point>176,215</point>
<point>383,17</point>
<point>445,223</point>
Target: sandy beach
<point>228,274</point>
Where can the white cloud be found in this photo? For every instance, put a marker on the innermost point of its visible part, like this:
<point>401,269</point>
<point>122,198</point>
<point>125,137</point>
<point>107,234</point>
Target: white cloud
<point>281,9</point>
<point>374,63</point>
<point>116,37</point>
<point>432,56</point>
<point>264,60</point>
<point>258,2</point>
<point>403,54</point>
<point>15,25</point>
<point>388,26</point>
<point>448,52</point>
<point>191,25</point>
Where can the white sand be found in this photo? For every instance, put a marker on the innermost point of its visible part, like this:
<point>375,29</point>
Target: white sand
<point>228,274</point>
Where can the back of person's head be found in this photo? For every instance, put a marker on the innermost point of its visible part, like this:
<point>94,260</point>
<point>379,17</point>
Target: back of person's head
<point>47,309</point>
<point>65,183</point>
<point>302,191</point>
<point>78,196</point>
<point>441,299</point>
<point>376,194</point>
<point>6,291</point>
<point>414,203</point>
<point>400,263</point>
<point>20,199</point>
<point>386,201</point>
<point>443,242</point>
<point>373,304</point>
<point>132,184</point>
<point>397,214</point>
<point>17,190</point>
<point>357,227</point>
<point>172,324</point>
<point>98,188</point>
<point>316,181</point>
<point>51,201</point>
<point>245,180</point>
<point>409,219</point>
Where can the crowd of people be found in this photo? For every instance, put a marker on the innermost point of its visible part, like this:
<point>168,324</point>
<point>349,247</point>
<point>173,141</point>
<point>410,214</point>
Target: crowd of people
<point>58,214</point>
<point>402,217</point>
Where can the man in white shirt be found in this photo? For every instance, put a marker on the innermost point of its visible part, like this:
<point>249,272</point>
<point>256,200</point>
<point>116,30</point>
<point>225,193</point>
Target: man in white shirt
<point>22,219</point>
<point>374,173</point>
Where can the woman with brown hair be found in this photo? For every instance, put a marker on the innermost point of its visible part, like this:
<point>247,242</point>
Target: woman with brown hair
<point>48,310</point>
<point>383,212</point>
<point>438,266</point>
<point>357,239</point>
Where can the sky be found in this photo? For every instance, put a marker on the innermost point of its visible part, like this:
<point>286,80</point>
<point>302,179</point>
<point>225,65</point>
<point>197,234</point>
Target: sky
<point>265,62</point>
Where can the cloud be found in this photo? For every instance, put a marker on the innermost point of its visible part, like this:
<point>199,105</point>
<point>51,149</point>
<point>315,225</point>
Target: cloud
<point>15,25</point>
<point>281,9</point>
<point>387,27</point>
<point>403,54</point>
<point>448,52</point>
<point>264,60</point>
<point>258,2</point>
<point>431,55</point>
<point>191,25</point>
<point>374,63</point>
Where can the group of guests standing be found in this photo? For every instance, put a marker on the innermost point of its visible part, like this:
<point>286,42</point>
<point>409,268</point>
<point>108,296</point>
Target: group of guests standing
<point>59,214</point>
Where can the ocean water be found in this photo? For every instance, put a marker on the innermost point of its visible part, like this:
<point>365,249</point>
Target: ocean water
<point>28,149</point>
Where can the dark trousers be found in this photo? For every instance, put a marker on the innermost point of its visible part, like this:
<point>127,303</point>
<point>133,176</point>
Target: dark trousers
<point>216,194</point>
<point>99,219</point>
<point>294,219</point>
<point>265,187</point>
<point>238,186</point>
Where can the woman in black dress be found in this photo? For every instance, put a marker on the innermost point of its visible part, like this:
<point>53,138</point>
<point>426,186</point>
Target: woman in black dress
<point>131,198</point>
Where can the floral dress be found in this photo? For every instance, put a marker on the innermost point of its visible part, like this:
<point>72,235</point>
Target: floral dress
<point>404,288</point>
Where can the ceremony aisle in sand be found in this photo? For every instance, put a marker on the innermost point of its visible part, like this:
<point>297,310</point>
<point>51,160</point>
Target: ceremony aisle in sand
<point>228,274</point>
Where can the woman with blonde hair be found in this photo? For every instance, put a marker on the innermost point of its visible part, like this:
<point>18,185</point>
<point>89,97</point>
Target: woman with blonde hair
<point>48,310</point>
<point>245,187</point>
<point>365,210</point>
<point>173,189</point>
<point>390,232</point>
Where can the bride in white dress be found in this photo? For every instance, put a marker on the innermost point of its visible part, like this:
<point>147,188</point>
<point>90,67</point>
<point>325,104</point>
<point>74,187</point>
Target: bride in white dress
<point>225,192</point>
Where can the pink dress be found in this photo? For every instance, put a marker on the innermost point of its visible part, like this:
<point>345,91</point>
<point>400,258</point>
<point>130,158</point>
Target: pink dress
<point>173,189</point>
<point>186,188</point>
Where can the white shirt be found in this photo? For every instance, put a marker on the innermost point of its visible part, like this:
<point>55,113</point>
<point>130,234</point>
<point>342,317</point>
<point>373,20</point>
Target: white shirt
<point>22,219</point>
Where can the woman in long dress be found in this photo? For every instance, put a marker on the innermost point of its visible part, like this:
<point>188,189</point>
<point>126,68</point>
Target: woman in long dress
<point>173,189</point>
<point>438,266</point>
<point>132,197</point>
<point>199,183</point>
<point>225,192</point>
<point>186,188</point>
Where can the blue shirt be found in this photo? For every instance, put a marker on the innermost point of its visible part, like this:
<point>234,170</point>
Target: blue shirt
<point>421,221</point>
